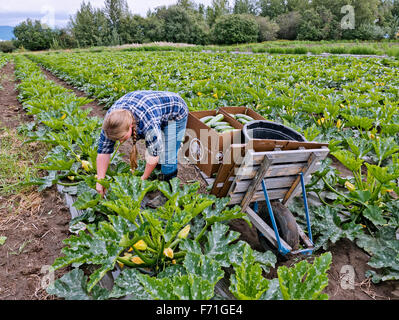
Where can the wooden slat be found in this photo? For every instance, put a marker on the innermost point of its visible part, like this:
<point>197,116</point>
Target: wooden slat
<point>312,164</point>
<point>255,183</point>
<point>271,183</point>
<point>304,237</point>
<point>275,194</point>
<point>207,179</point>
<point>289,156</point>
<point>274,171</point>
<point>234,155</point>
<point>245,163</point>
<point>267,231</point>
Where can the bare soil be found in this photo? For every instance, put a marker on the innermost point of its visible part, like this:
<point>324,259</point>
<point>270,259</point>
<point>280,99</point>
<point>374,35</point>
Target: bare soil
<point>42,224</point>
<point>34,223</point>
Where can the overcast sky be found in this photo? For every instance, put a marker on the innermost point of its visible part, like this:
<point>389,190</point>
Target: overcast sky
<point>57,13</point>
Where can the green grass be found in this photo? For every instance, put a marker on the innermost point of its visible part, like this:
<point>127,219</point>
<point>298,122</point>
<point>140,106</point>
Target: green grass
<point>17,161</point>
<point>355,47</point>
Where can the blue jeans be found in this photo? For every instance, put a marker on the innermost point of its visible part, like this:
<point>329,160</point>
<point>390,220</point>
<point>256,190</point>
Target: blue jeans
<point>173,138</point>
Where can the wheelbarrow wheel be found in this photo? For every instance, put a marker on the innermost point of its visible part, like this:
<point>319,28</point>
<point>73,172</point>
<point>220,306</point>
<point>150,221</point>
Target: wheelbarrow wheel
<point>286,225</point>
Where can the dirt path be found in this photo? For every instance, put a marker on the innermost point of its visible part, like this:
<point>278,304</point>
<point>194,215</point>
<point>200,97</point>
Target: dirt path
<point>34,224</point>
<point>23,277</point>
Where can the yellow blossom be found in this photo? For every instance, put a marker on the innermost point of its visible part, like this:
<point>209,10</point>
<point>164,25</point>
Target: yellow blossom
<point>168,252</point>
<point>137,260</point>
<point>63,116</point>
<point>86,165</point>
<point>199,94</point>
<point>350,186</point>
<point>140,245</point>
<point>184,232</point>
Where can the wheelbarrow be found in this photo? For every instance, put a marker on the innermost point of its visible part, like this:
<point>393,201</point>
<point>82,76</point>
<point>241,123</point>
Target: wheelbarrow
<point>263,176</point>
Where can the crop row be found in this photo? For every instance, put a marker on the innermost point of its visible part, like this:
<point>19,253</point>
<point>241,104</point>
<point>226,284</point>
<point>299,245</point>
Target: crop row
<point>3,60</point>
<point>178,251</point>
<point>350,103</point>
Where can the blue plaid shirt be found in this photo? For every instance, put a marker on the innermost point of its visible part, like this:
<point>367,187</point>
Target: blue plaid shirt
<point>152,111</point>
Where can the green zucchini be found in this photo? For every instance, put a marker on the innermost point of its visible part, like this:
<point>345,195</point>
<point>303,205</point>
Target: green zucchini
<point>220,123</point>
<point>206,119</point>
<point>243,116</point>
<point>217,118</point>
<point>242,120</point>
<point>219,128</point>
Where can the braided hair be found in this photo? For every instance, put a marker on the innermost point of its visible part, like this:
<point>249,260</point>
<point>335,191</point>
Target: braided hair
<point>133,152</point>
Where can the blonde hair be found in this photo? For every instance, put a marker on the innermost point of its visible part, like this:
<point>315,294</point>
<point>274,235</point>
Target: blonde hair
<point>116,125</point>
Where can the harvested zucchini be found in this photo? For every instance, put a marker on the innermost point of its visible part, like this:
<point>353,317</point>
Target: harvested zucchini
<point>206,119</point>
<point>243,116</point>
<point>215,119</point>
<point>220,123</point>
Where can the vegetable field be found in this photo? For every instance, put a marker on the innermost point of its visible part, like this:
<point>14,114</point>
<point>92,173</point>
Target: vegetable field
<point>185,248</point>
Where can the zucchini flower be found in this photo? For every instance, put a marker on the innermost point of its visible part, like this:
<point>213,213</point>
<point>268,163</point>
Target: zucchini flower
<point>184,232</point>
<point>140,245</point>
<point>168,252</point>
<point>137,260</point>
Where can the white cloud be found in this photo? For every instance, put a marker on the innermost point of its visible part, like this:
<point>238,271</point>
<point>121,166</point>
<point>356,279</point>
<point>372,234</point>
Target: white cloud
<point>20,10</point>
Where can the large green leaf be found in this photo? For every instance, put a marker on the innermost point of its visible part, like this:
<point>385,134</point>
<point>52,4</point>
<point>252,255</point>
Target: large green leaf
<point>383,248</point>
<point>348,159</point>
<point>219,211</point>
<point>218,245</point>
<point>73,286</point>
<point>204,267</point>
<point>305,281</point>
<point>328,227</point>
<point>374,214</point>
<point>247,283</point>
<point>128,284</point>
<point>98,247</point>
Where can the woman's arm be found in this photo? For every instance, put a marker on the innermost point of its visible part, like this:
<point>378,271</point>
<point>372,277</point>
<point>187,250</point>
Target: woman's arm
<point>151,163</point>
<point>102,167</point>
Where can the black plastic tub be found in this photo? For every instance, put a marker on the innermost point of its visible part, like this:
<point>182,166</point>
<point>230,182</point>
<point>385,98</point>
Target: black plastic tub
<point>262,129</point>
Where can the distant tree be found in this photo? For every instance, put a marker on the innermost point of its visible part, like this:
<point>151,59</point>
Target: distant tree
<point>366,11</point>
<point>180,25</point>
<point>318,24</point>
<point>115,11</point>
<point>153,29</point>
<point>133,29</point>
<point>217,9</point>
<point>298,5</point>
<point>33,35</point>
<point>395,8</point>
<point>90,26</point>
<point>235,28</point>
<point>268,29</point>
<point>245,7</point>
<point>7,46</point>
<point>288,25</point>
<point>187,4</point>
<point>272,8</point>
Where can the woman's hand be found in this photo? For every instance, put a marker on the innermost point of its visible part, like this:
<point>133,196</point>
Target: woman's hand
<point>100,189</point>
<point>151,163</point>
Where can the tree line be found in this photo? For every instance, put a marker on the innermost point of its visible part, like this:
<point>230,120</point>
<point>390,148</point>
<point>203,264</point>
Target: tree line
<point>222,22</point>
